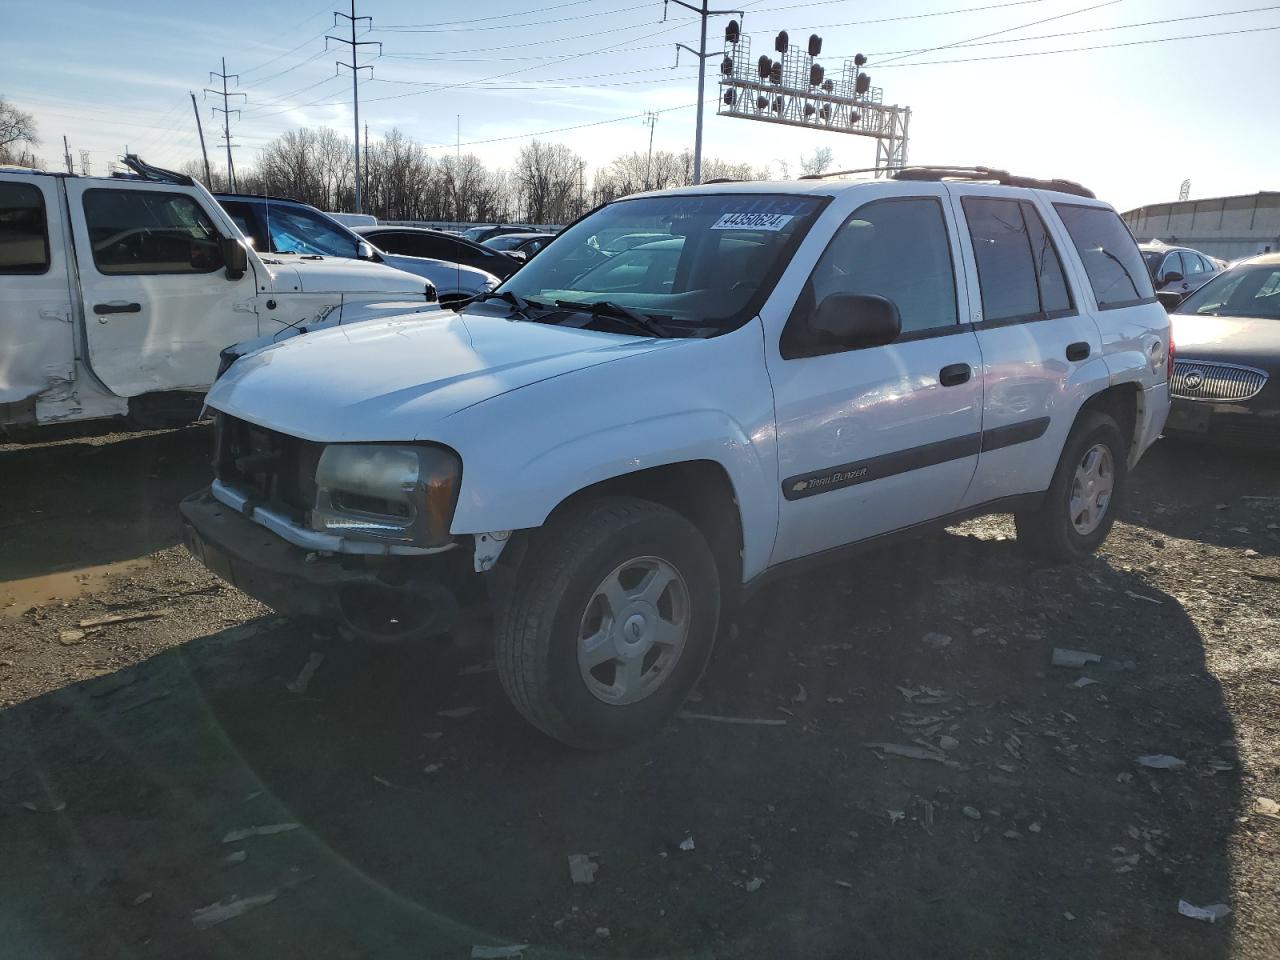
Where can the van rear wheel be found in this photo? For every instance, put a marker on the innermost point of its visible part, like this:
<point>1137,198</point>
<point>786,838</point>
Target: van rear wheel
<point>1079,509</point>
<point>610,623</point>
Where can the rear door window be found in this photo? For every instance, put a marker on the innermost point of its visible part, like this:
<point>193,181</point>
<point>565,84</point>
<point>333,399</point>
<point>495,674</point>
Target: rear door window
<point>1195,266</point>
<point>1020,274</point>
<point>1109,254</point>
<point>149,232</point>
<point>24,229</point>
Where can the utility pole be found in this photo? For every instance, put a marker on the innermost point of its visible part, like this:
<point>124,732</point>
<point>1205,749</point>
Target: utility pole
<point>650,120</point>
<point>226,114</point>
<point>204,152</point>
<point>355,68</point>
<point>457,167</point>
<point>703,13</point>
<point>366,158</point>
<point>66,152</point>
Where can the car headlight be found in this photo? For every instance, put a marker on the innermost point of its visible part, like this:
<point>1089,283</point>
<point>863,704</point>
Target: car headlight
<point>396,494</point>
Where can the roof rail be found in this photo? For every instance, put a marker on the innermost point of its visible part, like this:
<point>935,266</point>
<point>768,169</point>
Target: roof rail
<point>979,174</point>
<point>156,174</point>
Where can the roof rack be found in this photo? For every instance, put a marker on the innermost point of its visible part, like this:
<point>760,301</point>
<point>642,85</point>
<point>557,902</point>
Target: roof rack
<point>977,174</point>
<point>146,171</point>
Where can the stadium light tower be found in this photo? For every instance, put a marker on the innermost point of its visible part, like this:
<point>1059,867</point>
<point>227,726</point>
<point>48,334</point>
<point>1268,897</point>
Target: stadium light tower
<point>701,53</point>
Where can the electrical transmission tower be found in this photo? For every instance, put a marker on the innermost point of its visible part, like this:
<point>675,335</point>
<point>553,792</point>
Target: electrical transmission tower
<point>355,68</point>
<point>701,53</point>
<point>226,112</point>
<point>84,163</point>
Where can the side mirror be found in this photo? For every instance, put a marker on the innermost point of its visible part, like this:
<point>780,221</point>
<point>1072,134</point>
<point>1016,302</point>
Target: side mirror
<point>234,257</point>
<point>856,321</point>
<point>1170,298</point>
<point>1173,276</point>
<point>518,255</point>
<point>364,251</point>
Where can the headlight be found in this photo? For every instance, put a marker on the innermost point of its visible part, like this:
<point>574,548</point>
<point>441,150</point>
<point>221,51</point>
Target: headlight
<point>397,494</point>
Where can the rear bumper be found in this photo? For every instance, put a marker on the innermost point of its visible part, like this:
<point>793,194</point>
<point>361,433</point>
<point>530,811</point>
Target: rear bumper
<point>354,591</point>
<point>1237,424</point>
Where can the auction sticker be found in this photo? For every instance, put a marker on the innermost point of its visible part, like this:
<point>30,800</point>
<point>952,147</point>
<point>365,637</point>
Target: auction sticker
<point>752,221</point>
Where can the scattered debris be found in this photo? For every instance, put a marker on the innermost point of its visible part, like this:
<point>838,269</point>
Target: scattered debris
<point>1138,596</point>
<point>938,641</point>
<point>124,618</point>
<point>1083,682</point>
<point>1068,915</point>
<point>835,699</point>
<point>603,933</point>
<point>303,680</point>
<point>948,742</point>
<point>924,695</point>
<point>582,869</point>
<point>754,884</point>
<point>140,899</point>
<point>1211,914</point>
<point>1265,806</point>
<point>236,856</point>
<point>843,884</point>
<point>457,713</point>
<point>1161,761</point>
<point>225,910</point>
<point>801,695</point>
<point>1035,827</point>
<point>756,721</point>
<point>973,813</point>
<point>69,638</point>
<point>234,836</point>
<point>513,952</point>
<point>909,751</point>
<point>895,816</point>
<point>687,843</point>
<point>1074,658</point>
<point>1012,835</point>
<point>433,768</point>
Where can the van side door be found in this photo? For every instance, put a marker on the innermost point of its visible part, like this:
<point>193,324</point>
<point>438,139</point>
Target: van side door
<point>36,316</point>
<point>873,440</point>
<point>158,302</point>
<point>1041,349</point>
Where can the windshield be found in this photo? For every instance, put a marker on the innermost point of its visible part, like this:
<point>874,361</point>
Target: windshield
<point>709,259</point>
<point>295,230</point>
<point>1245,291</point>
<point>476,233</point>
<point>1153,258</point>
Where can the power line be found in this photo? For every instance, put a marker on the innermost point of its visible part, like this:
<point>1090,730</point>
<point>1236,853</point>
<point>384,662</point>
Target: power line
<point>281,56</point>
<point>1101,46</point>
<point>438,28</point>
<point>996,33</point>
<point>502,16</point>
<point>1076,33</point>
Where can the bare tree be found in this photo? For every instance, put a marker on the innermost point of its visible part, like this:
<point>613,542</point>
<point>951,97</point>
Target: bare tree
<point>817,162</point>
<point>17,133</point>
<point>549,178</point>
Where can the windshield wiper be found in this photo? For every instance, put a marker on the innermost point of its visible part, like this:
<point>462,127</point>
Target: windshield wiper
<point>520,304</point>
<point>616,311</point>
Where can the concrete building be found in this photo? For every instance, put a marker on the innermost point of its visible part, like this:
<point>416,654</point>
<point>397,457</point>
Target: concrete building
<point>1225,227</point>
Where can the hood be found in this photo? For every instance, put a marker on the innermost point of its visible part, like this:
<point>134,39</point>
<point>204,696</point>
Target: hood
<point>294,274</point>
<point>392,379</point>
<point>449,278</point>
<point>1249,341</point>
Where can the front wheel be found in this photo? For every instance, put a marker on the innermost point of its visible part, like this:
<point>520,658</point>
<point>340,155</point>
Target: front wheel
<point>610,623</point>
<point>1079,508</point>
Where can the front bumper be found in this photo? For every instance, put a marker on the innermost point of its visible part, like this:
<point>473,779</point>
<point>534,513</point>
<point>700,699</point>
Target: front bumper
<point>415,594</point>
<point>1237,424</point>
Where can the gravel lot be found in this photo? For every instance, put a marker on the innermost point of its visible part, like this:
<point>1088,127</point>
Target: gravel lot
<point>425,817</point>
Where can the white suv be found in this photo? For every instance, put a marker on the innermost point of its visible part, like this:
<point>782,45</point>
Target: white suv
<point>622,445</point>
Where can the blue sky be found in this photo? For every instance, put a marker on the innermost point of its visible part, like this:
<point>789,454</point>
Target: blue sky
<point>1130,121</point>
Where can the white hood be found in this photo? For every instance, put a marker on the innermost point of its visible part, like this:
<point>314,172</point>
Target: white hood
<point>392,379</point>
<point>291,273</point>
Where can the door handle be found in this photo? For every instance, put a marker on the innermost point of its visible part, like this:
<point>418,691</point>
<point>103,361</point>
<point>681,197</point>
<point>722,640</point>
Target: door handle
<point>117,306</point>
<point>1077,351</point>
<point>955,374</point>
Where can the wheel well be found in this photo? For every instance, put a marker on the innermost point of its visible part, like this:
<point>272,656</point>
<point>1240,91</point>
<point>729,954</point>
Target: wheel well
<point>698,490</point>
<point>1121,404</point>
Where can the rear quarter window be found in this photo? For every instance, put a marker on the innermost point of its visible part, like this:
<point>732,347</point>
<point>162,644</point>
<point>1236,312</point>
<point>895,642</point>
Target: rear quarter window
<point>1109,254</point>
<point>24,229</point>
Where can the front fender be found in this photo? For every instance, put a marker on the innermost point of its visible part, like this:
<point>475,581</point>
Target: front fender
<point>526,452</point>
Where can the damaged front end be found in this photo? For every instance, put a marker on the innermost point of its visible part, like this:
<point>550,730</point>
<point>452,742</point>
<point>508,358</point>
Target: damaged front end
<point>353,533</point>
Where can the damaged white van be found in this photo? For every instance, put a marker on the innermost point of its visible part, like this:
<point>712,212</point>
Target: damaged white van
<point>620,445</point>
<point>117,295</point>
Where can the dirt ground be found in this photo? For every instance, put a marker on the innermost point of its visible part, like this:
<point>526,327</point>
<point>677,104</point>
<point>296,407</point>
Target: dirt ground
<point>423,817</point>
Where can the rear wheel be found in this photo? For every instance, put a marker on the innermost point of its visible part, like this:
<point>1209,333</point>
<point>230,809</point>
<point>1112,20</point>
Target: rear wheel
<point>1079,509</point>
<point>610,623</point>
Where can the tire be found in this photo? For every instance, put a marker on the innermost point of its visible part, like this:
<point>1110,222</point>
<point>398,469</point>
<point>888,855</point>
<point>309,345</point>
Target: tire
<point>557,599</point>
<point>1055,532</point>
